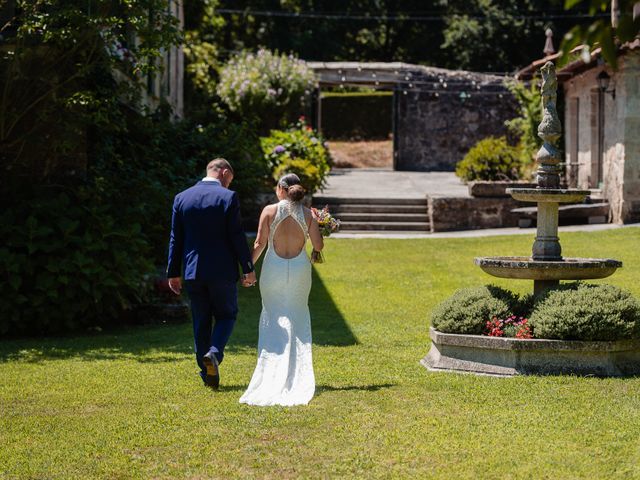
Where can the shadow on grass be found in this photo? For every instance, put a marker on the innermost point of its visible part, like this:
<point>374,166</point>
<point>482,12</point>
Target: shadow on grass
<point>170,342</point>
<point>320,389</point>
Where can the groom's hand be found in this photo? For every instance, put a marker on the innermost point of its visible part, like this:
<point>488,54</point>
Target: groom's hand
<point>175,284</point>
<point>249,279</point>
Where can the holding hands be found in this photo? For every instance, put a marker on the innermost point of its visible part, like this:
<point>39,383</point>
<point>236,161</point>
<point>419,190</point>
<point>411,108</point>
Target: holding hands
<point>175,284</point>
<point>249,279</point>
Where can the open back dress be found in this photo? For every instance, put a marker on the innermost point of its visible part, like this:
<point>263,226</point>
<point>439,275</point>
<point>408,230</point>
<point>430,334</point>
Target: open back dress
<point>284,372</point>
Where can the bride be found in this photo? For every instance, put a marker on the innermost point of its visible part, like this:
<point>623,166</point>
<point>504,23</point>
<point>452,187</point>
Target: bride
<point>284,373</point>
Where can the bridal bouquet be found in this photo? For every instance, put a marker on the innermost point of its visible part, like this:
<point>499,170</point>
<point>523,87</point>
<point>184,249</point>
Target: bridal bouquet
<point>328,225</point>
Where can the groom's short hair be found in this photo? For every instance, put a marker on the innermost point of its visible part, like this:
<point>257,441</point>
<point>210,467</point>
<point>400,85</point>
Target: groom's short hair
<point>219,164</point>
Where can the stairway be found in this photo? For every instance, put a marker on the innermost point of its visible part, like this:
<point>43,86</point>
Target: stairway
<point>367,215</point>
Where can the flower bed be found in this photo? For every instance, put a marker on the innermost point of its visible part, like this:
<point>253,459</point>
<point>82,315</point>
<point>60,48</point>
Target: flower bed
<point>581,329</point>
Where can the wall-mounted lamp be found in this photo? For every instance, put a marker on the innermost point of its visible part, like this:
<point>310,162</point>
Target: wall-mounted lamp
<point>603,79</point>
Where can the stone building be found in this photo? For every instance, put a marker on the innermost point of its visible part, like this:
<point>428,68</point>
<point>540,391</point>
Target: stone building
<point>438,114</point>
<point>602,127</point>
<point>602,130</point>
<point>167,84</point>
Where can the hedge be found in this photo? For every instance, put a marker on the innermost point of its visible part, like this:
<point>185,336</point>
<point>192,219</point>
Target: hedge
<point>357,115</point>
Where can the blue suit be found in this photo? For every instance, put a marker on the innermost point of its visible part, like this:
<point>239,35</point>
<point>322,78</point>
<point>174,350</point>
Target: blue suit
<point>207,237</point>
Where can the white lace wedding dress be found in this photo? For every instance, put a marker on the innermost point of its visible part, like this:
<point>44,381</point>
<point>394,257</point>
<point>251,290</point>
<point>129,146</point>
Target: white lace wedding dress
<point>284,373</point>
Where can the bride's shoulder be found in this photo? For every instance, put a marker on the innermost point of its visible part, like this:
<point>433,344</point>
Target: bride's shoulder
<point>270,209</point>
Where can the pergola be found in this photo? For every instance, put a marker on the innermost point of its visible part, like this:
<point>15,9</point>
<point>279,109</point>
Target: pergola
<point>406,81</point>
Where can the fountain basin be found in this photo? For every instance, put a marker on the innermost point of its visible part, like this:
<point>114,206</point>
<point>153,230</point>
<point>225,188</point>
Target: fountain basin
<point>548,195</point>
<point>501,356</point>
<point>566,269</point>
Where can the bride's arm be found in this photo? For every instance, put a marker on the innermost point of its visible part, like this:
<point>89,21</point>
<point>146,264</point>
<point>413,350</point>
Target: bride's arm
<point>316,237</point>
<point>262,237</point>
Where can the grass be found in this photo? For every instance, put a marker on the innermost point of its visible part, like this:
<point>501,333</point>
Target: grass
<point>128,404</point>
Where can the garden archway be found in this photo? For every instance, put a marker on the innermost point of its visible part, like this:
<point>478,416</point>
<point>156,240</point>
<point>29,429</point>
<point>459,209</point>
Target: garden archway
<point>437,114</point>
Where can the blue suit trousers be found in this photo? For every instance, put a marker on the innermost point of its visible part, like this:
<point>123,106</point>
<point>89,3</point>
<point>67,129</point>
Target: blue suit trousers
<point>214,307</point>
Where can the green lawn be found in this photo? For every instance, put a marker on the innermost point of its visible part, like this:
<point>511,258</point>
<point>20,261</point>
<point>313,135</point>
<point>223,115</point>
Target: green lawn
<point>130,405</point>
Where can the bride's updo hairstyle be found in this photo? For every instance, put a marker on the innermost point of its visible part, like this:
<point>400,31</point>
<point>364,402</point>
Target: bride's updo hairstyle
<point>290,183</point>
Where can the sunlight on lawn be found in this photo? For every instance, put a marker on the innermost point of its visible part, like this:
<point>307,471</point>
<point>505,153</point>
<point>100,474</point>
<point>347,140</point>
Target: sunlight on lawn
<point>128,403</point>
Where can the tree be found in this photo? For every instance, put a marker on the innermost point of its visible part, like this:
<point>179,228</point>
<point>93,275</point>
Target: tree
<point>57,68</point>
<point>602,32</point>
<point>483,35</point>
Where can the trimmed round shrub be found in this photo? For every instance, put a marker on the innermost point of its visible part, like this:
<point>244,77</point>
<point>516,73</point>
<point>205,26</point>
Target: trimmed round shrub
<point>468,310</point>
<point>490,159</point>
<point>587,312</point>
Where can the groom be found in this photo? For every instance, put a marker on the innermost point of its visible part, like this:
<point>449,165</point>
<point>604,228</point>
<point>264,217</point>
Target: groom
<point>206,234</point>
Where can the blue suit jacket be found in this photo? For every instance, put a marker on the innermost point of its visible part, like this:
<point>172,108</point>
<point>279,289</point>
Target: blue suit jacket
<point>207,235</point>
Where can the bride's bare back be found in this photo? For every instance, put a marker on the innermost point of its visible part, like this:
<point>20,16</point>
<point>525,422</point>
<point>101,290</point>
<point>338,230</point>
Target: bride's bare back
<point>289,237</point>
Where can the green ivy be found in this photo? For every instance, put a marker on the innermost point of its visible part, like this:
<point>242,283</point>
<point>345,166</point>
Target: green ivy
<point>525,126</point>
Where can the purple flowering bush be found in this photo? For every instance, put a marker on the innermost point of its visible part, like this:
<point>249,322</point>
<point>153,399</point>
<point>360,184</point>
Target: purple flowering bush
<point>267,86</point>
<point>299,150</point>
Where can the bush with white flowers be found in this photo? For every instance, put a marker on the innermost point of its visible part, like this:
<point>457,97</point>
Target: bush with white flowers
<point>271,87</point>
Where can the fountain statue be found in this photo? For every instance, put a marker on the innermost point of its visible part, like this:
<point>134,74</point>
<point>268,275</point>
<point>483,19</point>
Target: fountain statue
<point>546,266</point>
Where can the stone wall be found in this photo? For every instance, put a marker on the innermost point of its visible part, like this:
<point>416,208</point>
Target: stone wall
<point>470,213</point>
<point>435,132</point>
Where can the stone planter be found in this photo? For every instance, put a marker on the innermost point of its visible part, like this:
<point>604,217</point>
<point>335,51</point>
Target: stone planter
<point>510,356</point>
<point>485,188</point>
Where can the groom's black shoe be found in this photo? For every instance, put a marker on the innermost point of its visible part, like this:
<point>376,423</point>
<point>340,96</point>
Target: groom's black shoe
<point>212,377</point>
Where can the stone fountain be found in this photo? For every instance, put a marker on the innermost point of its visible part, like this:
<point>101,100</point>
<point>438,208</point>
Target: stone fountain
<point>546,266</point>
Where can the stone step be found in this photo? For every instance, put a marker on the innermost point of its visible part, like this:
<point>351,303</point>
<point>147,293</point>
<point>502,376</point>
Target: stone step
<point>324,200</point>
<point>375,226</point>
<point>383,217</point>
<point>364,208</point>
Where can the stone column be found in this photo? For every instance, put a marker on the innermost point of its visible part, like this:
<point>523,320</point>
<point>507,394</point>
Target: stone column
<point>547,244</point>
